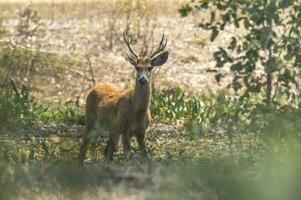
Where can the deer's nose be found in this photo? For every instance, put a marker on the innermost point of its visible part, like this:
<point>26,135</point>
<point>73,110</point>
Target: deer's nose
<point>143,81</point>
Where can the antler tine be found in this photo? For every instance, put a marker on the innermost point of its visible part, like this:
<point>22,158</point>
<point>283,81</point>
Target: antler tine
<point>161,47</point>
<point>127,42</point>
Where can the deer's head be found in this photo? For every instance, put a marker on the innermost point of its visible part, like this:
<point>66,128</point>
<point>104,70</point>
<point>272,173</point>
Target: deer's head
<point>144,66</point>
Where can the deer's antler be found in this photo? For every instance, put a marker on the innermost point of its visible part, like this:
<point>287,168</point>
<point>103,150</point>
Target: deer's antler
<point>161,46</point>
<point>127,42</point>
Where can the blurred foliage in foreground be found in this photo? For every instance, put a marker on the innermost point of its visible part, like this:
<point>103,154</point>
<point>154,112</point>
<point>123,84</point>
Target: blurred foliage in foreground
<point>274,175</point>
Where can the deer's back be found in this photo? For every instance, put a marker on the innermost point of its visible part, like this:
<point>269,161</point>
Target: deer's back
<point>104,102</point>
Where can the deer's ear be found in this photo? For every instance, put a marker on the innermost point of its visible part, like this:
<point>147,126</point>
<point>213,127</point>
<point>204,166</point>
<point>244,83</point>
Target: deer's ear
<point>160,58</point>
<point>132,59</point>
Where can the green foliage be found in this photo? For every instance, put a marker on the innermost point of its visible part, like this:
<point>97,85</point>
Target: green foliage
<point>16,112</point>
<point>274,176</point>
<point>185,10</point>
<point>225,113</point>
<point>72,114</point>
<point>29,130</point>
<point>283,122</point>
<point>266,38</point>
<point>174,105</point>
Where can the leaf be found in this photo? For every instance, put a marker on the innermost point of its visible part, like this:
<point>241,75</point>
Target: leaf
<point>212,16</point>
<point>257,18</point>
<point>218,77</point>
<point>236,67</point>
<point>236,23</point>
<point>236,86</point>
<point>226,17</point>
<point>185,10</point>
<point>247,23</point>
<point>214,33</point>
<point>233,43</point>
<point>283,4</point>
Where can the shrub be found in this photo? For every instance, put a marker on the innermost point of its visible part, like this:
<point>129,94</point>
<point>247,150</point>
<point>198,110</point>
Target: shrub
<point>265,39</point>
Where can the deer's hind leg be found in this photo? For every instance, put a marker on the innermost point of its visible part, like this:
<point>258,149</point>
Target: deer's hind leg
<point>84,147</point>
<point>111,146</point>
<point>89,127</point>
<point>126,142</point>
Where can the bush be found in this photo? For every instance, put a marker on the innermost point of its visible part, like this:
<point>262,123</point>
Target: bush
<point>265,39</point>
<point>16,112</point>
<point>174,105</point>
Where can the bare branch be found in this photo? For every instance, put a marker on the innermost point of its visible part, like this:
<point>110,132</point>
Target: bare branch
<point>91,70</point>
<point>14,87</point>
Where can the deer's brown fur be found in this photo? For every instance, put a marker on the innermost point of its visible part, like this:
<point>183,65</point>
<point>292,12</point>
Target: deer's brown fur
<point>123,113</point>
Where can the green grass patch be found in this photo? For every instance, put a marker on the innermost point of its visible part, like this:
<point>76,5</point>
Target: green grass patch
<point>69,114</point>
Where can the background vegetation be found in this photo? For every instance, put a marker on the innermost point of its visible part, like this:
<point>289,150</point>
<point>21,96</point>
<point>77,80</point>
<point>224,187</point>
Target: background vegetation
<point>226,108</point>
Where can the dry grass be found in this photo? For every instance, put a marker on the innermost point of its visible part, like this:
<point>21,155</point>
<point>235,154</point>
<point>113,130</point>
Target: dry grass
<point>94,28</point>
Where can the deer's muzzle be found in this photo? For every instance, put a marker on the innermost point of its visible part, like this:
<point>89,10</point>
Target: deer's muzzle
<point>143,81</point>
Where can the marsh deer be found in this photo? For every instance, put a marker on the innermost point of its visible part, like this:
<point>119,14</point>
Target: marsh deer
<point>126,112</point>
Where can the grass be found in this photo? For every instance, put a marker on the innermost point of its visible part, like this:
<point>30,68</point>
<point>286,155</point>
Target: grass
<point>274,176</point>
<point>223,147</point>
<point>80,9</point>
<point>200,146</point>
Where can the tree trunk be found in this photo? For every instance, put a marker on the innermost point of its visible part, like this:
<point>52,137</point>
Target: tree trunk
<point>269,87</point>
<point>269,63</point>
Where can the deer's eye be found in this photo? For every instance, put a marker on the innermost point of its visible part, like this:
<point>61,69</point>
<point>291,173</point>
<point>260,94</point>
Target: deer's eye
<point>149,69</point>
<point>138,68</point>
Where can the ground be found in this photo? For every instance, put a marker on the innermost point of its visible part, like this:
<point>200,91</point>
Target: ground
<point>80,43</point>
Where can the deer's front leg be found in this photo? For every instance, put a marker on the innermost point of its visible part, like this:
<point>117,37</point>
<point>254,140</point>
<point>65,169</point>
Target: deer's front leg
<point>126,140</point>
<point>140,139</point>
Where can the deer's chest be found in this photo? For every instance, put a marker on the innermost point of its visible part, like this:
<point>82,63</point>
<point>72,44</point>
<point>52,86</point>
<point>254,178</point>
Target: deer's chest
<point>137,122</point>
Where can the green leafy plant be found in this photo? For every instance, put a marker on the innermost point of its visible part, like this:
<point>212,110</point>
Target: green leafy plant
<point>265,40</point>
<point>66,114</point>
<point>175,105</point>
<point>17,111</point>
<point>230,114</point>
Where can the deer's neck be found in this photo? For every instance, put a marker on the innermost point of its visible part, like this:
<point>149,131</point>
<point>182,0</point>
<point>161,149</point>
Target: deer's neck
<point>142,97</point>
